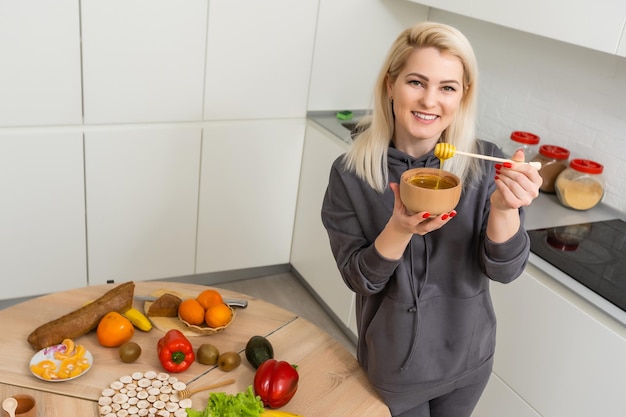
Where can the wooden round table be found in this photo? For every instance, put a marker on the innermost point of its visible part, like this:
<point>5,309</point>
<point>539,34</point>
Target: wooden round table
<point>331,381</point>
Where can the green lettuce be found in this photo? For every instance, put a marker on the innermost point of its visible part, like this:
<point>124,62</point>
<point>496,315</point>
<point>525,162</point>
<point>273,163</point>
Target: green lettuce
<point>220,404</point>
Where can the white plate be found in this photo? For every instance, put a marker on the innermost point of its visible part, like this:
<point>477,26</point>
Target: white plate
<point>48,353</point>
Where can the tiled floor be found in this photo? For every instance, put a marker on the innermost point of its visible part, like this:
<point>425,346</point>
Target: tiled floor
<point>286,291</point>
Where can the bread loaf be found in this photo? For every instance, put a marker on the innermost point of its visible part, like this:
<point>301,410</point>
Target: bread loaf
<point>165,306</point>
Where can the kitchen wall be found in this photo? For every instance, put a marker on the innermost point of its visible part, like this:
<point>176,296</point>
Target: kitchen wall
<point>570,96</point>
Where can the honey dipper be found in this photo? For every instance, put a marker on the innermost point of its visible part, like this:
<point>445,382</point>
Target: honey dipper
<point>447,150</point>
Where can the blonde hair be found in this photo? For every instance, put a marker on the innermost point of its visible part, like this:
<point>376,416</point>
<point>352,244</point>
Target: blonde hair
<point>368,155</point>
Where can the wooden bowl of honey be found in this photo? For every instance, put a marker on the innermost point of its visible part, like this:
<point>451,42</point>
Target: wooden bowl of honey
<point>430,190</point>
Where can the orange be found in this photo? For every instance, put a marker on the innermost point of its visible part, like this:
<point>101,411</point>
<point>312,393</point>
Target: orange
<point>114,330</point>
<point>208,298</point>
<point>191,311</point>
<point>218,315</point>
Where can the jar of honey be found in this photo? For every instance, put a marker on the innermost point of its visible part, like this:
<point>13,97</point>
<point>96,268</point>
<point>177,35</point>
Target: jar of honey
<point>553,161</point>
<point>527,141</point>
<point>580,186</point>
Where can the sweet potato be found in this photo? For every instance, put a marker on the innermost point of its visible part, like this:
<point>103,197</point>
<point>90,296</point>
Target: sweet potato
<point>84,319</point>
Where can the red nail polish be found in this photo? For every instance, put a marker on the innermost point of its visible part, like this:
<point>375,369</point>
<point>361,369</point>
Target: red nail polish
<point>497,178</point>
<point>507,165</point>
<point>426,215</point>
<point>498,166</point>
<point>444,217</point>
<point>497,172</point>
<point>452,213</point>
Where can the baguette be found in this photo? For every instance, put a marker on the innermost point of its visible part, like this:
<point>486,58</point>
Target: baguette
<point>84,319</point>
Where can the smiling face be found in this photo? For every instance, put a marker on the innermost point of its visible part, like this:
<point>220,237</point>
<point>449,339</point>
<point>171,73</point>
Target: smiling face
<point>426,96</point>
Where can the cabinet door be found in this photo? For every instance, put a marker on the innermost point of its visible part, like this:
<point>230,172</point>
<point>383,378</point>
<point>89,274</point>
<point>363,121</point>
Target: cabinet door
<point>248,191</point>
<point>42,244</point>
<point>556,355</point>
<point>621,49</point>
<point>143,60</point>
<point>498,398</point>
<point>351,42</point>
<point>310,253</point>
<point>580,22</point>
<point>259,58</point>
<point>142,199</point>
<point>40,70</point>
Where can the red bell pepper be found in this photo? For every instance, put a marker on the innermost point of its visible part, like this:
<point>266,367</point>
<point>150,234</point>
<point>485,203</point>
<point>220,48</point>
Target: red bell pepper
<point>276,382</point>
<point>175,351</point>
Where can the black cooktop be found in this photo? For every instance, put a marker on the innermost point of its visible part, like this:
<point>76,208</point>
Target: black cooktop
<point>593,254</point>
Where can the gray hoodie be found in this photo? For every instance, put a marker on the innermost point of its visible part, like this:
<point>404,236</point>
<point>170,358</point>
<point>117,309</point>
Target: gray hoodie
<point>426,320</point>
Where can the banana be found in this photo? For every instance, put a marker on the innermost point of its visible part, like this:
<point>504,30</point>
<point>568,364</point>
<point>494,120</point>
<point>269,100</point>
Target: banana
<point>138,319</point>
<point>278,413</point>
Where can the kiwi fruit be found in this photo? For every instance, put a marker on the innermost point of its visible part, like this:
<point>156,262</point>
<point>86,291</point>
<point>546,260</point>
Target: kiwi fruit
<point>229,361</point>
<point>207,354</point>
<point>129,352</point>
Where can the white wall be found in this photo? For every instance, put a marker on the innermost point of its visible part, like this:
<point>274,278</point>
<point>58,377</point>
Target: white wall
<point>570,96</point>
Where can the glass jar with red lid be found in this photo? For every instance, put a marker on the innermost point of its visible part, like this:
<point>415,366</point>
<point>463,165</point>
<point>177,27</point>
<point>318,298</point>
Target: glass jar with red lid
<point>553,161</point>
<point>527,141</point>
<point>580,186</point>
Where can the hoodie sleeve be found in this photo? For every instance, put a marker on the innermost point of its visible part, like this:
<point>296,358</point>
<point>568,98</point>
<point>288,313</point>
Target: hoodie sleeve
<point>503,262</point>
<point>362,268</point>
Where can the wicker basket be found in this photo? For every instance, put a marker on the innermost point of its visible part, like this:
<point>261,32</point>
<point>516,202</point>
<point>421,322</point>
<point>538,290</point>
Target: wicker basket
<point>206,330</point>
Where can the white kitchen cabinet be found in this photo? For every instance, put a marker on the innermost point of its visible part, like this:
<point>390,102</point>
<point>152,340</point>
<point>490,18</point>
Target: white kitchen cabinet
<point>499,400</point>
<point>621,48</point>
<point>259,58</point>
<point>40,70</point>
<point>557,352</point>
<point>142,199</point>
<point>248,191</point>
<point>596,25</point>
<point>310,253</point>
<point>143,60</point>
<point>42,243</point>
<point>351,41</point>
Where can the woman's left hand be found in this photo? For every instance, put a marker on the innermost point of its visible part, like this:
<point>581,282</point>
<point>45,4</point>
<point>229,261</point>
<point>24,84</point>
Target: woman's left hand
<point>517,185</point>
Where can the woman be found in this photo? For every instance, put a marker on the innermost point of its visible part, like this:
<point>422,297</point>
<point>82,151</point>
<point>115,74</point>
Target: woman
<point>426,325</point>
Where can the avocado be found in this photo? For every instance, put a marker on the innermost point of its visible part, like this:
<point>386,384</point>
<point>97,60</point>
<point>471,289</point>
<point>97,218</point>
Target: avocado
<point>258,350</point>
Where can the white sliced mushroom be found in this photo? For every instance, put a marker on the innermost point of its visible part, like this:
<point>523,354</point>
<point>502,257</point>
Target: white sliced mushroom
<point>144,382</point>
<point>159,405</point>
<point>151,398</point>
<point>179,386</point>
<point>105,401</point>
<point>174,398</point>
<point>133,410</point>
<point>105,409</point>
<point>131,394</point>
<point>126,379</point>
<point>143,412</point>
<point>143,404</point>
<point>164,397</point>
<point>110,415</point>
<point>163,413</point>
<point>154,391</point>
<point>137,375</point>
<point>131,387</point>
<point>150,375</point>
<point>166,389</point>
<point>142,395</point>
<point>117,385</point>
<point>157,384</point>
<point>108,392</point>
<point>120,398</point>
<point>116,407</point>
<point>122,413</point>
<point>185,403</point>
<point>181,412</point>
<point>170,406</point>
<point>163,376</point>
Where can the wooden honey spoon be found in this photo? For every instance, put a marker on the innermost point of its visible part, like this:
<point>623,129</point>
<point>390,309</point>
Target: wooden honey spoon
<point>445,151</point>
